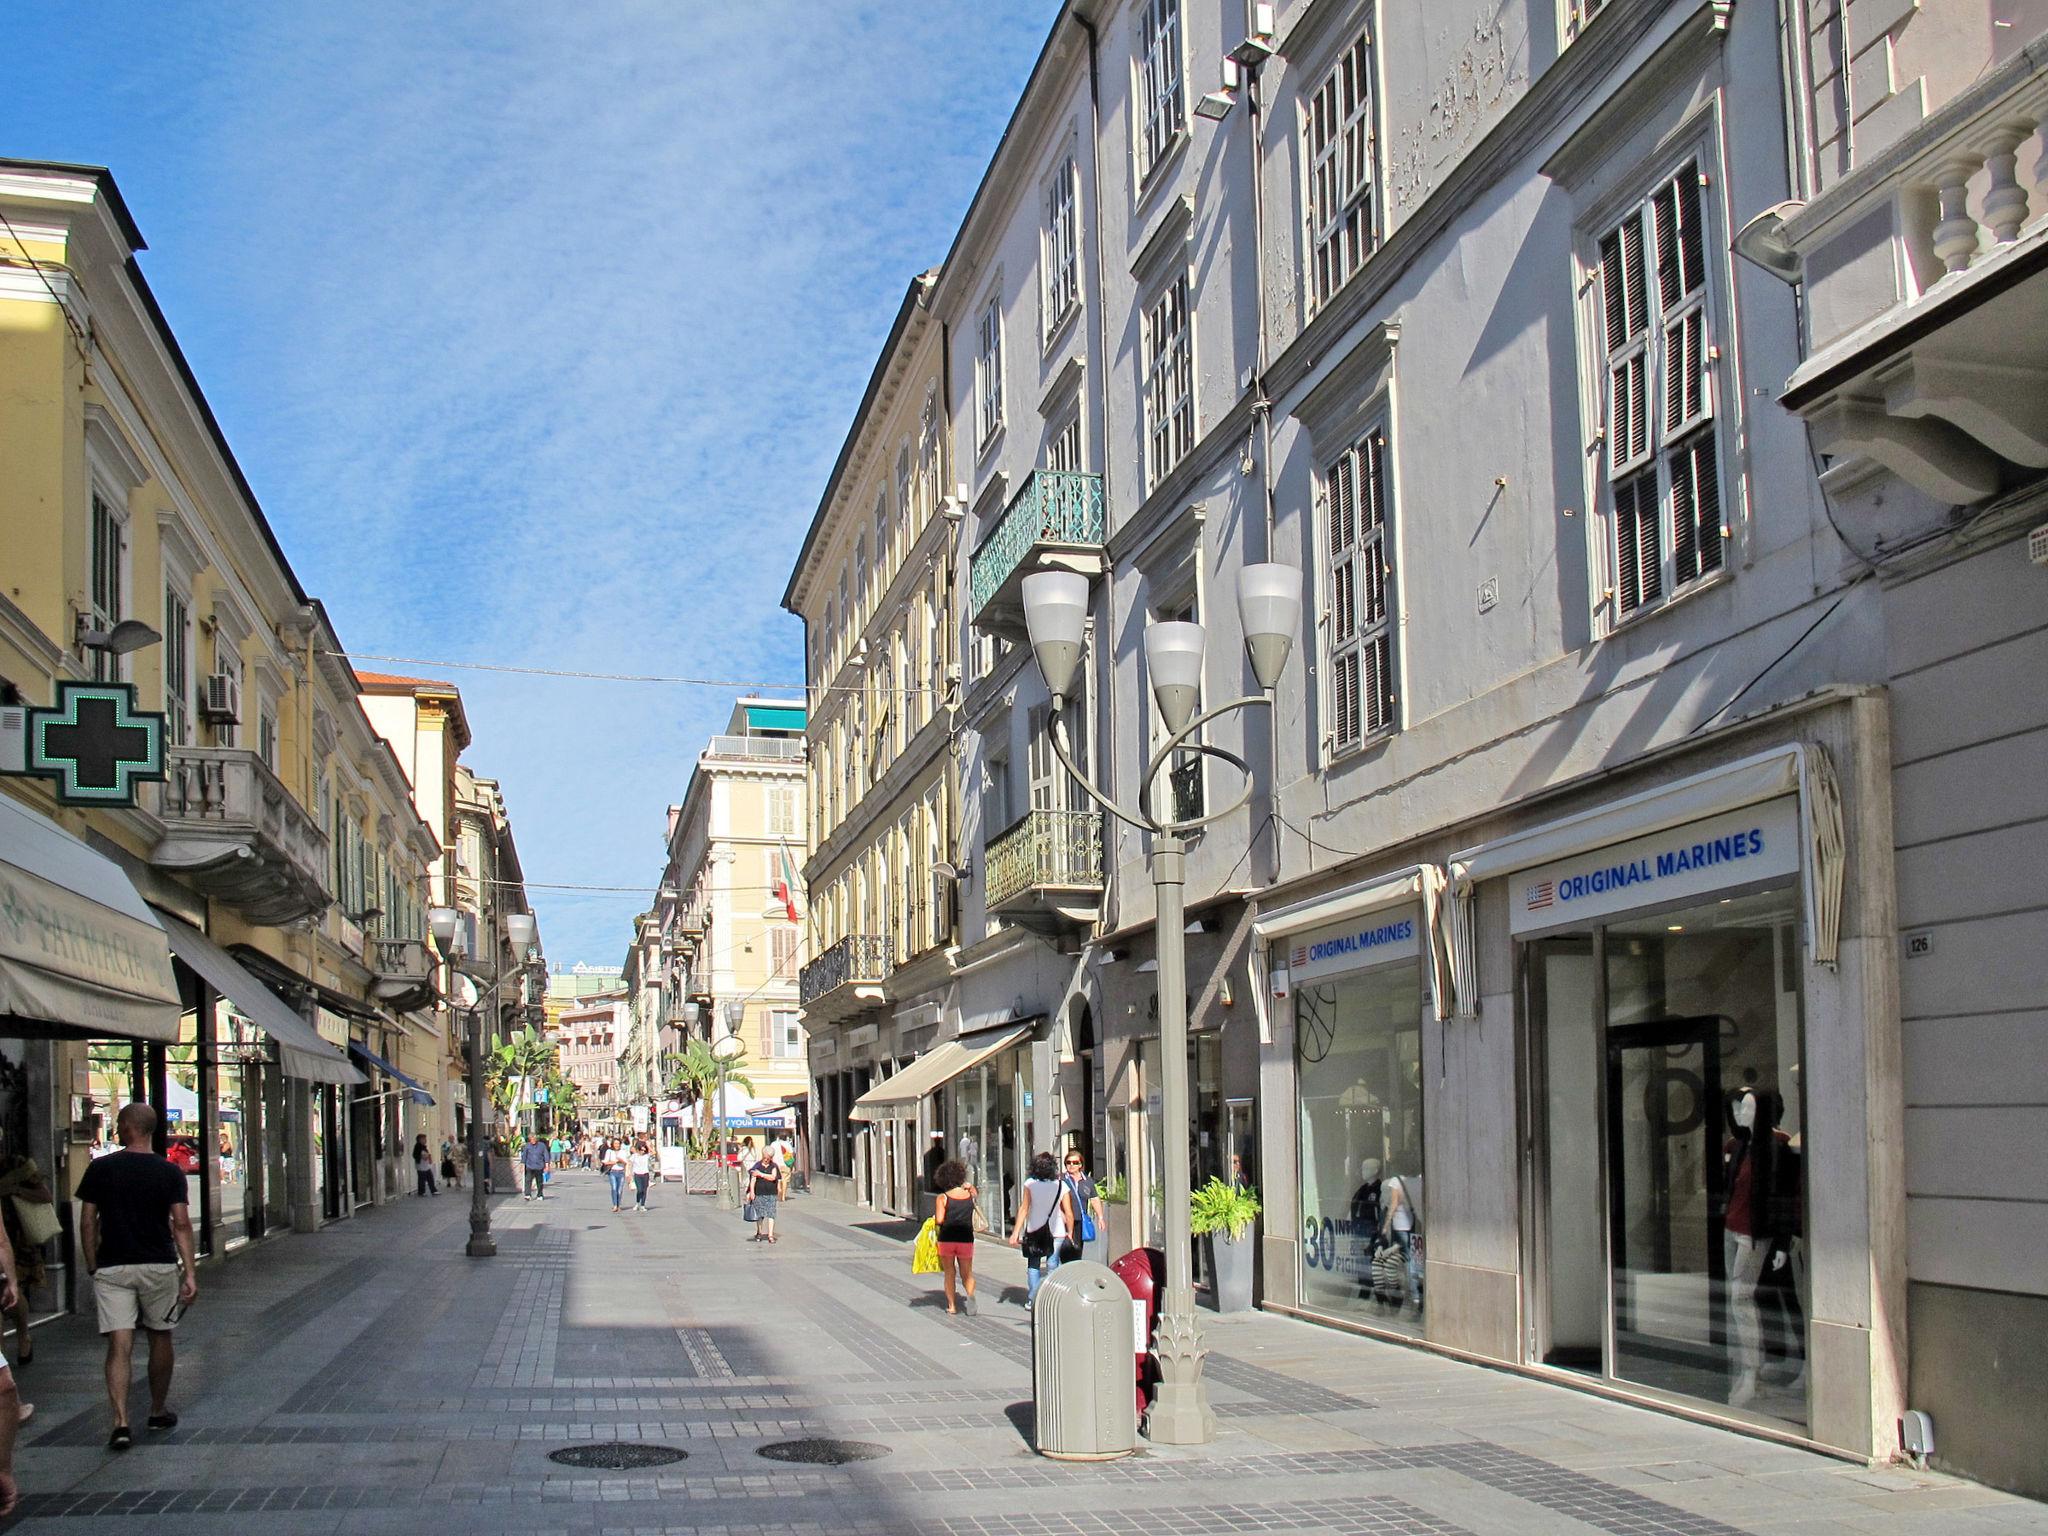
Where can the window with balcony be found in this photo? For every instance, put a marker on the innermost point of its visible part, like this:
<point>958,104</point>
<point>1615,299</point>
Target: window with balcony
<point>1063,442</point>
<point>1338,151</point>
<point>1161,101</point>
<point>988,372</point>
<point>227,662</point>
<point>1169,380</point>
<point>177,668</point>
<point>1358,589</point>
<point>1660,444</point>
<point>1062,248</point>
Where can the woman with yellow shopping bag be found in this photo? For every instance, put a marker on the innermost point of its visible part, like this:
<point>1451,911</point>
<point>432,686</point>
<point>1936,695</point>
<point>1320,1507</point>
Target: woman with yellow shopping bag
<point>953,1227</point>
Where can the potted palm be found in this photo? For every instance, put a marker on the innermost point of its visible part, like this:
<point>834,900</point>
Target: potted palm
<point>1225,1214</point>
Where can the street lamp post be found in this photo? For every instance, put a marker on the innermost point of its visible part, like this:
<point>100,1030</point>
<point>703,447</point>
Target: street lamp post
<point>725,1047</point>
<point>1056,615</point>
<point>519,931</point>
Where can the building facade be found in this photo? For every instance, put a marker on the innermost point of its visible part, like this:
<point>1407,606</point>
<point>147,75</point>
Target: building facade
<point>271,886</point>
<point>874,585</point>
<point>729,913</point>
<point>1547,967</point>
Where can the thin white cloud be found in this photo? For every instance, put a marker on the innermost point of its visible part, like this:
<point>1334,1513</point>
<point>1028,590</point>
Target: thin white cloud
<point>537,329</point>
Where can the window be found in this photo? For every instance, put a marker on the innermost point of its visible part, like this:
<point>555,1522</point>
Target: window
<point>109,541</point>
<point>1063,446</point>
<point>227,662</point>
<point>781,810</point>
<point>860,572</point>
<point>266,737</point>
<point>881,543</point>
<point>1169,380</point>
<point>995,796</point>
<point>904,527</point>
<point>988,371</point>
<point>1579,15</point>
<point>1359,588</point>
<point>177,668</point>
<point>1159,83</point>
<point>1062,249</point>
<point>785,1033</point>
<point>1338,129</point>
<point>782,950</point>
<point>1663,468</point>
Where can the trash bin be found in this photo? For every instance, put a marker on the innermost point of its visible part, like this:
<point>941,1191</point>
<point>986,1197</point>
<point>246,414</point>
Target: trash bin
<point>1143,1271</point>
<point>1081,1348</point>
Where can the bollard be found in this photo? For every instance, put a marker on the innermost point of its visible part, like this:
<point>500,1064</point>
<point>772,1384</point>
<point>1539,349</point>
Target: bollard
<point>1081,1347</point>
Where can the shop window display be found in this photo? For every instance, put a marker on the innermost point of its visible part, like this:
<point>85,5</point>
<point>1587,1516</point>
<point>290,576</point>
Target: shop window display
<point>1364,1224</point>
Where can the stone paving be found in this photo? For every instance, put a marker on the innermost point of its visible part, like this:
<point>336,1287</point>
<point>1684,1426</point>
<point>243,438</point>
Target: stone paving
<point>370,1378</point>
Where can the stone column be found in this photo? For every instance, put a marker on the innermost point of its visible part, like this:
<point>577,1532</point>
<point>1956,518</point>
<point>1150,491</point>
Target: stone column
<point>298,1130</point>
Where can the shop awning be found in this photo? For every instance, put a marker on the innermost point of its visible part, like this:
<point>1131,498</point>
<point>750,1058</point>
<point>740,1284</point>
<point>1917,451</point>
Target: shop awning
<point>419,1094</point>
<point>897,1098</point>
<point>81,955</point>
<point>301,1050</point>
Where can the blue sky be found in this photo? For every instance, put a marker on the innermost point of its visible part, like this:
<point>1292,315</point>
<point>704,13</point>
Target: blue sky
<point>537,327</point>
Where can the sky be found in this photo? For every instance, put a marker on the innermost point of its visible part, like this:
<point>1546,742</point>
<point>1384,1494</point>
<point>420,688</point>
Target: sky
<point>537,327</point>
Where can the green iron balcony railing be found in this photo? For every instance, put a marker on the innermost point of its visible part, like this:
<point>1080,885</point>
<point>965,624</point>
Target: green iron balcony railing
<point>1046,852</point>
<point>1055,512</point>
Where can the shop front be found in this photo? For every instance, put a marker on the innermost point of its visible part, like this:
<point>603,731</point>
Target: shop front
<point>1708,1100</point>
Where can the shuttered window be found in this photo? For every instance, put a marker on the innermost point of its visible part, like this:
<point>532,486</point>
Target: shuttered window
<point>1159,82</point>
<point>1659,435</point>
<point>1169,380</point>
<point>1359,586</point>
<point>1337,126</point>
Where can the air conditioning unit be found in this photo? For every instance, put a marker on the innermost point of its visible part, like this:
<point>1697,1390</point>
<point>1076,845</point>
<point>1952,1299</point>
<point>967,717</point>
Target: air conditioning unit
<point>13,738</point>
<point>222,701</point>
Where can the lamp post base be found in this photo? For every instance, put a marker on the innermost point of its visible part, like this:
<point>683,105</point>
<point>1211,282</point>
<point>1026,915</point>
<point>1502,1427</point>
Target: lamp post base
<point>1180,1412</point>
<point>481,1246</point>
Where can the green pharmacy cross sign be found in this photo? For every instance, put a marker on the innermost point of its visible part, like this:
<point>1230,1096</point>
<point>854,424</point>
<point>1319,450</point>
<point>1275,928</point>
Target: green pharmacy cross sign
<point>95,743</point>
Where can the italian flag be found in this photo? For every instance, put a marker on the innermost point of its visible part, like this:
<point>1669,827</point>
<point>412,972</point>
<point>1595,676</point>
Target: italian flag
<point>785,880</point>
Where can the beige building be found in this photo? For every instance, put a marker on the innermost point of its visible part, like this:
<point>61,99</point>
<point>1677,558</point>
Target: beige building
<point>727,929</point>
<point>874,587</point>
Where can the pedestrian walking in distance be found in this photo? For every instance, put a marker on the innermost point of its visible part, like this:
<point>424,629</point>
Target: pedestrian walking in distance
<point>423,1166</point>
<point>642,1164</point>
<point>955,1214</point>
<point>615,1171</point>
<point>450,1174</point>
<point>1043,1221</point>
<point>765,1178</point>
<point>135,1235</point>
<point>533,1158</point>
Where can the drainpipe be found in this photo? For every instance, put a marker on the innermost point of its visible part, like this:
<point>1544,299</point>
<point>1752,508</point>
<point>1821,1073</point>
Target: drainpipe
<point>1262,407</point>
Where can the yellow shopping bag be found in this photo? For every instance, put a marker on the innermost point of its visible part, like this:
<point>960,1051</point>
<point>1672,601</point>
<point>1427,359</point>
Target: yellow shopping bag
<point>924,1258</point>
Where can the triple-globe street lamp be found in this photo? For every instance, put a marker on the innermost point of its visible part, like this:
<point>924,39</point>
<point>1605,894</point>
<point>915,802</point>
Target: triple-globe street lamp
<point>1056,617</point>
<point>725,1047</point>
<point>445,923</point>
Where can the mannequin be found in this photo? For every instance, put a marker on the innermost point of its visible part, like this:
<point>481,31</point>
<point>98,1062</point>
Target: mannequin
<point>1750,1183</point>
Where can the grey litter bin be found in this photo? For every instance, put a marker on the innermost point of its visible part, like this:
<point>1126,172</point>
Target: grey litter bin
<point>1081,1349</point>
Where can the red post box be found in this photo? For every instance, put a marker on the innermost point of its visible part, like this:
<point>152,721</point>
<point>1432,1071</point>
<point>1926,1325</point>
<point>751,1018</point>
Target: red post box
<point>1143,1272</point>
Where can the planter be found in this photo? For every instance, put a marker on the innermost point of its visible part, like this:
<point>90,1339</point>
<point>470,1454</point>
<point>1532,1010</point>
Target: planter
<point>1233,1270</point>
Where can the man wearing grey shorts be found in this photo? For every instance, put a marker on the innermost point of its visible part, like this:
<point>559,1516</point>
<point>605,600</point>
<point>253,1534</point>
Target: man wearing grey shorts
<point>136,1233</point>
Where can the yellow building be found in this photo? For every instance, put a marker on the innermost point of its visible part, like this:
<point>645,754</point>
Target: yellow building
<point>280,857</point>
<point>727,931</point>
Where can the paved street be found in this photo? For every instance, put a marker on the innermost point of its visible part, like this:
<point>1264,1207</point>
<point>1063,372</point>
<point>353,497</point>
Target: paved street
<point>371,1379</point>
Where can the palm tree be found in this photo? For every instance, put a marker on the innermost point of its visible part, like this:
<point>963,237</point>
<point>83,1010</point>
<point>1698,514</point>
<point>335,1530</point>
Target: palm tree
<point>695,1072</point>
<point>526,1058</point>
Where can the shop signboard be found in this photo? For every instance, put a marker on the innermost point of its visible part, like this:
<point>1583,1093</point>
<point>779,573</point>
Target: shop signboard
<point>1740,847</point>
<point>1372,938</point>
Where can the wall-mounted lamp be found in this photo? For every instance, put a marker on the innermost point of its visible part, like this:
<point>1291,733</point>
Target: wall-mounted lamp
<point>126,637</point>
<point>946,869</point>
<point>1762,242</point>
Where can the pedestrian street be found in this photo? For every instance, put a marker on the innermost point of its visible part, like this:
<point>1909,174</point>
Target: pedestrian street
<point>370,1378</point>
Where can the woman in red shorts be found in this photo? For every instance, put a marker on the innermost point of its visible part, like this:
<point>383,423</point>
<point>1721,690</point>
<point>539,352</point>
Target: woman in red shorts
<point>955,1215</point>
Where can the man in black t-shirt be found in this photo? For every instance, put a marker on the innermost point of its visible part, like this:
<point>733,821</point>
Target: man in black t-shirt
<point>137,1238</point>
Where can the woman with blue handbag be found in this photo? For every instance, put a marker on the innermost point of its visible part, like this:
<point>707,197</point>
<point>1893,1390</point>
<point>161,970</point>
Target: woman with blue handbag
<point>1088,1215</point>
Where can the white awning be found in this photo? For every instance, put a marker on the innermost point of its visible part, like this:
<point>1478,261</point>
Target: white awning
<point>300,1048</point>
<point>80,953</point>
<point>897,1098</point>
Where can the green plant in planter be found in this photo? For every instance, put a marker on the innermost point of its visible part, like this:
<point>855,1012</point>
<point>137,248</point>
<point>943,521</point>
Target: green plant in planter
<point>1226,1208</point>
<point>1115,1190</point>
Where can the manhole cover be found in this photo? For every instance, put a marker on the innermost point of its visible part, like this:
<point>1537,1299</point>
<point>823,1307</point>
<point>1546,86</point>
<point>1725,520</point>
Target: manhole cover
<point>616,1456</point>
<point>823,1453</point>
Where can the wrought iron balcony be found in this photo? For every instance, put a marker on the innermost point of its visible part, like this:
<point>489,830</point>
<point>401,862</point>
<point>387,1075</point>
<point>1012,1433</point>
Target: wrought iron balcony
<point>845,978</point>
<point>405,972</point>
<point>1050,863</point>
<point>232,831</point>
<point>1055,521</point>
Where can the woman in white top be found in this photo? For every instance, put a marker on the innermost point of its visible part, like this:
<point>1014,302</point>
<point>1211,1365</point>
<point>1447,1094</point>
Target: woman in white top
<point>1043,1222</point>
<point>615,1171</point>
<point>642,1164</point>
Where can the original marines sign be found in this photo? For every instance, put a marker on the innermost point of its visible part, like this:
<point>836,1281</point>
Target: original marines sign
<point>1392,933</point>
<point>1759,842</point>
